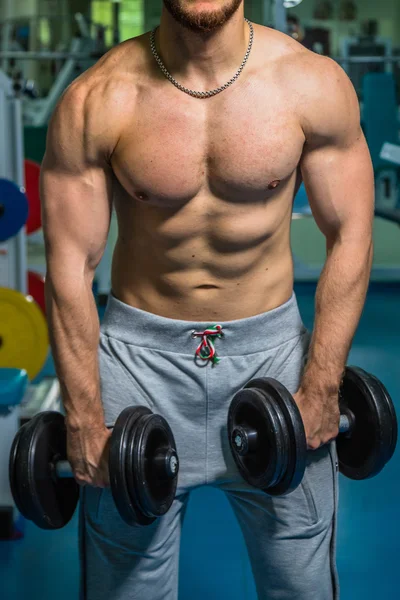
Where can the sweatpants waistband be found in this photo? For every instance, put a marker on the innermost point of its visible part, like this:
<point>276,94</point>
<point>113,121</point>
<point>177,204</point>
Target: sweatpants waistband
<point>243,336</point>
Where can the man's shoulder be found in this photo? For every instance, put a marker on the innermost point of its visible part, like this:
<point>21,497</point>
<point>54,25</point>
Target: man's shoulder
<point>293,60</point>
<point>316,87</point>
<point>100,101</point>
<point>114,75</point>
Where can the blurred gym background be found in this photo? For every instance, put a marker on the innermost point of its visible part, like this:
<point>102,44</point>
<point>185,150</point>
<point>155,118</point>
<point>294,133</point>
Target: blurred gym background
<point>44,45</point>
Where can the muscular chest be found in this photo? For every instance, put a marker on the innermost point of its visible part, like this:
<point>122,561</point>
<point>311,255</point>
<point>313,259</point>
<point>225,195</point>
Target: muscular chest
<point>240,151</point>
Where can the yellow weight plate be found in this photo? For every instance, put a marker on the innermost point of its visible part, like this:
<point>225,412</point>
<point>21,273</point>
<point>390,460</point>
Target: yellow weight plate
<point>24,342</point>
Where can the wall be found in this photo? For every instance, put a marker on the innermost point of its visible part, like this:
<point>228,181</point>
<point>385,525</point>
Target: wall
<point>31,8</point>
<point>308,246</point>
<point>22,8</point>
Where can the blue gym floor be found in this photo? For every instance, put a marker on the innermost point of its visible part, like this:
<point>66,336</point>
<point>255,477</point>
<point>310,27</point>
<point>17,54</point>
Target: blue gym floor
<point>214,565</point>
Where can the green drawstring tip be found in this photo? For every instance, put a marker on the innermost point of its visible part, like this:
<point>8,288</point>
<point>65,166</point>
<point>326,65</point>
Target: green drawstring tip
<point>220,334</point>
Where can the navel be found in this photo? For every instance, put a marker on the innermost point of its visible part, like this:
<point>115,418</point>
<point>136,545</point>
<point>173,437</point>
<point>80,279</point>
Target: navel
<point>142,196</point>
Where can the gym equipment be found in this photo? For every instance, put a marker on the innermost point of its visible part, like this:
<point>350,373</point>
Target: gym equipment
<point>32,177</point>
<point>267,437</point>
<point>387,204</point>
<point>380,122</point>
<point>83,52</point>
<point>36,289</point>
<point>48,502</point>
<point>301,206</point>
<point>13,209</point>
<point>40,397</point>
<point>268,441</point>
<point>392,215</point>
<point>143,448</point>
<point>13,252</point>
<point>13,385</point>
<point>13,256</point>
<point>23,333</point>
<point>368,425</point>
<point>391,153</point>
<point>365,55</point>
<point>291,3</point>
<point>143,466</point>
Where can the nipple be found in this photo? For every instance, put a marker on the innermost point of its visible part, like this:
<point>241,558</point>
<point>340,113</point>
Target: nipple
<point>274,184</point>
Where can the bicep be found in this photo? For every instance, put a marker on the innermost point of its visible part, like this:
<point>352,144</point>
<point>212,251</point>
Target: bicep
<point>336,164</point>
<point>76,212</point>
<point>340,187</point>
<point>76,195</point>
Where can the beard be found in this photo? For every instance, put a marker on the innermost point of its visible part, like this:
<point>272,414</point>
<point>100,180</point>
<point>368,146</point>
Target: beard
<point>201,22</point>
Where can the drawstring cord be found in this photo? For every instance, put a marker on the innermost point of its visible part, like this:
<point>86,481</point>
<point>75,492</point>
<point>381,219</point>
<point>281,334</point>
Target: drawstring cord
<point>206,349</point>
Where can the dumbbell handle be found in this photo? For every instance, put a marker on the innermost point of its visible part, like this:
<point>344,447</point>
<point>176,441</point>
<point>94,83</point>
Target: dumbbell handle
<point>166,461</point>
<point>63,469</point>
<point>245,440</point>
<point>347,421</point>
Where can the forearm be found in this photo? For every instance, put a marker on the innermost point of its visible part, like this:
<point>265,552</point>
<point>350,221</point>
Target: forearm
<point>74,336</point>
<point>340,300</point>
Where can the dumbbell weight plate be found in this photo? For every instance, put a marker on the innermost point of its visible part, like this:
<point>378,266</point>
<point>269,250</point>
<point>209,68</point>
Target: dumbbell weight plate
<point>278,462</point>
<point>296,447</point>
<point>154,463</point>
<point>17,493</point>
<point>392,419</point>
<point>121,475</point>
<point>372,442</point>
<point>252,410</point>
<point>43,498</point>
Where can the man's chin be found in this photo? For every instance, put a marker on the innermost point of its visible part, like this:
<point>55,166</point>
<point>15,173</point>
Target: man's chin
<point>201,20</point>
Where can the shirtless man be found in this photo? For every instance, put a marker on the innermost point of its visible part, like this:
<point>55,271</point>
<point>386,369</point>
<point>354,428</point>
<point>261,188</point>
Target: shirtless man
<point>203,189</point>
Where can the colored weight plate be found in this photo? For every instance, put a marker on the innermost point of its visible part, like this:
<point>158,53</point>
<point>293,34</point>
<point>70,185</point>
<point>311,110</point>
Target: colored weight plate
<point>252,411</point>
<point>13,209</point>
<point>47,500</point>
<point>365,452</point>
<point>32,185</point>
<point>36,289</point>
<point>153,460</point>
<point>120,475</point>
<point>296,447</point>
<point>23,333</point>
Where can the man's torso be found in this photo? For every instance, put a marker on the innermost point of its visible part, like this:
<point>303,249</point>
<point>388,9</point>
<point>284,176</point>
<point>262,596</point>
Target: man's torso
<point>203,189</point>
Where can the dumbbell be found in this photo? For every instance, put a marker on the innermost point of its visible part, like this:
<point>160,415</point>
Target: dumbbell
<point>143,468</point>
<point>268,441</point>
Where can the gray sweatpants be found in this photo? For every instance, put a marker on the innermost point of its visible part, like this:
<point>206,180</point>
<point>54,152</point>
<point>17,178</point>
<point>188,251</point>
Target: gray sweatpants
<point>150,360</point>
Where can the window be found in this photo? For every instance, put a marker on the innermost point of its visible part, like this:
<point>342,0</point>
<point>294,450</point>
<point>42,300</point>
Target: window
<point>131,18</point>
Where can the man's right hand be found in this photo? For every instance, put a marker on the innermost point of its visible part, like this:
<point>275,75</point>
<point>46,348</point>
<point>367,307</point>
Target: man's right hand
<point>88,454</point>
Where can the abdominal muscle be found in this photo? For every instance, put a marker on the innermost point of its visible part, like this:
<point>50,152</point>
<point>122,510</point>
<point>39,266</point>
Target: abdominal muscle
<point>208,260</point>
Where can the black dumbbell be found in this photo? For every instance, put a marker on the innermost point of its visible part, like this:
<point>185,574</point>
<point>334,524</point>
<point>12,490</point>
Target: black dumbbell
<point>143,467</point>
<point>268,441</point>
